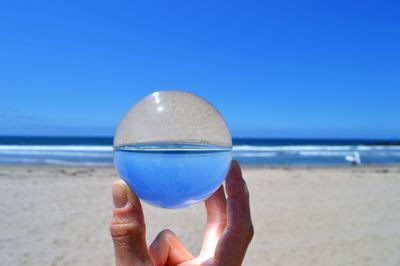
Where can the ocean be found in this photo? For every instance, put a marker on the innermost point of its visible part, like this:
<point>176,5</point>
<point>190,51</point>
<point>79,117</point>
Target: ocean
<point>98,152</point>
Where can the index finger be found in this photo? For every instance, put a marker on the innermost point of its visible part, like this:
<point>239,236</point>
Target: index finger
<point>239,230</point>
<point>216,221</point>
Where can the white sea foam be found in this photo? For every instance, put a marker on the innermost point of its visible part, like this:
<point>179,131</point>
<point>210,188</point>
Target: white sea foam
<point>75,163</point>
<point>33,161</point>
<point>238,148</point>
<point>312,148</point>
<point>101,155</point>
<point>289,148</point>
<point>57,147</point>
<point>254,154</point>
<point>57,153</point>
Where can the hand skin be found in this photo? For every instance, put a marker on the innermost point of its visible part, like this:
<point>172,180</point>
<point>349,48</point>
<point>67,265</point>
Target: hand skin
<point>227,235</point>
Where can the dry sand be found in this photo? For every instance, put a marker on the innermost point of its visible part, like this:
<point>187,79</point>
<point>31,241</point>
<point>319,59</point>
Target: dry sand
<point>60,216</point>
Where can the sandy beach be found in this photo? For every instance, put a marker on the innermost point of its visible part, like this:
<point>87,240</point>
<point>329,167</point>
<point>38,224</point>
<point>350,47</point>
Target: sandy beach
<point>60,216</point>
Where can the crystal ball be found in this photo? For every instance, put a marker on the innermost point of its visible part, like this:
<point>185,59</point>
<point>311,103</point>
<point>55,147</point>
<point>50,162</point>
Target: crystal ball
<point>173,149</point>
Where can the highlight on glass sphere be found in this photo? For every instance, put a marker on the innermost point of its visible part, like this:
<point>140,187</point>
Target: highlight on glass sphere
<point>173,149</point>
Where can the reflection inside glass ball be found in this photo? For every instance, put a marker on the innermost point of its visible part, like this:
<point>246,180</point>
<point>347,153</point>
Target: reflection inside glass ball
<point>173,149</point>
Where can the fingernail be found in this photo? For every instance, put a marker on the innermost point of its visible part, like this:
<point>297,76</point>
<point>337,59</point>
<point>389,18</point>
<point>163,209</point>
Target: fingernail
<point>119,193</point>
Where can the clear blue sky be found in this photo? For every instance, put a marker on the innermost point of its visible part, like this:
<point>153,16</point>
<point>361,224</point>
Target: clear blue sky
<point>327,69</point>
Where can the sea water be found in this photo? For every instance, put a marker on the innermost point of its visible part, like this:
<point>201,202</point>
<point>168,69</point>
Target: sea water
<point>172,175</point>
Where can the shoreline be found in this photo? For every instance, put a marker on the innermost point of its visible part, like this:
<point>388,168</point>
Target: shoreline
<point>247,166</point>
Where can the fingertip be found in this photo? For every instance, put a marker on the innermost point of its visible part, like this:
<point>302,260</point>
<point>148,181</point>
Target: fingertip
<point>235,168</point>
<point>235,171</point>
<point>217,195</point>
<point>119,194</point>
<point>216,206</point>
<point>235,164</point>
<point>235,183</point>
<point>127,206</point>
<point>131,195</point>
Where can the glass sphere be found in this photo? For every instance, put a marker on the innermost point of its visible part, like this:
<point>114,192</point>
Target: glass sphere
<point>173,149</point>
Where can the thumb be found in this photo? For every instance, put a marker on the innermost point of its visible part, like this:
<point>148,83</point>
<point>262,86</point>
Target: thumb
<point>127,227</point>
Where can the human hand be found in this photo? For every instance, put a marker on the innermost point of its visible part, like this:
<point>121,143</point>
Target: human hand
<point>227,235</point>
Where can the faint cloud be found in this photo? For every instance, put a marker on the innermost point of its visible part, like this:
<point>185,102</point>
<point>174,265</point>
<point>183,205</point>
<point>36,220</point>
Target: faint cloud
<point>12,115</point>
<point>19,118</point>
